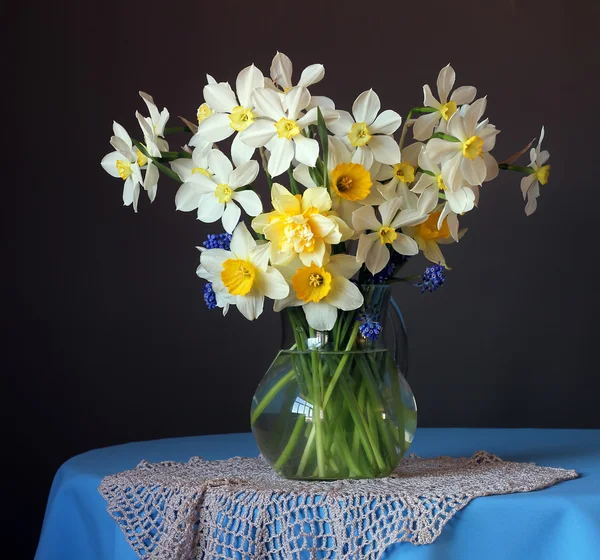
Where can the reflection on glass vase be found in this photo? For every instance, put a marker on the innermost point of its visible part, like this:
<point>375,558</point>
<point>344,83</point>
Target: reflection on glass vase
<point>336,404</point>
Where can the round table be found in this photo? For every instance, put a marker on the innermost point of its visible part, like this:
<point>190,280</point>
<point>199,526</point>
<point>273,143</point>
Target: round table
<point>561,522</point>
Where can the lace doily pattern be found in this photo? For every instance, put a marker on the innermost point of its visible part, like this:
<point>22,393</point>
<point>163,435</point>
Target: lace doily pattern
<point>240,508</point>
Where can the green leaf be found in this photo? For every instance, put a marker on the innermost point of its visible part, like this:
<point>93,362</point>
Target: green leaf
<point>446,137</point>
<point>293,183</point>
<point>166,170</point>
<point>324,137</point>
<point>315,175</point>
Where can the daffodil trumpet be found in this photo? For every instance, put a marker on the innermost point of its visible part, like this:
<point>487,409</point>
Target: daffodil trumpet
<point>347,206</point>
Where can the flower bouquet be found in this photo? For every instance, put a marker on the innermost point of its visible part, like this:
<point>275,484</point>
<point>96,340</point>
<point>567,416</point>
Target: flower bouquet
<point>349,205</point>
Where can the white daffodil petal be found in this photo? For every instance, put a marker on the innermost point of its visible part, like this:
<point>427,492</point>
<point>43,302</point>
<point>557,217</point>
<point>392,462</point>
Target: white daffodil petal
<point>302,176</point>
<point>242,242</point>
<point>120,132</point>
<point>307,150</point>
<point>445,81</point>
<point>474,171</point>
<point>268,103</point>
<point>251,305</point>
<point>231,216</point>
<point>151,181</point>
<point>121,146</point>
<point>187,197</point>
<point>386,123</point>
<point>183,167</point>
<point>311,75</point>
<point>429,99</point>
<point>214,129</point>
<point>249,201</point>
<point>281,156</point>
<point>366,107</point>
<point>343,265</point>
<point>463,94</point>
<point>389,209</point>
<point>424,125</point>
<point>247,81</point>
<point>109,163</point>
<point>405,245</point>
<point>259,134</point>
<point>272,284</point>
<point>344,294</point>
<point>526,182</point>
<point>240,151</point>
<point>432,253</point>
<point>365,244</point>
<point>220,165</point>
<point>474,114</point>
<point>320,316</point>
<point>364,218</point>
<point>457,127</point>
<point>320,101</point>
<point>243,175</point>
<point>451,172</point>
<point>425,180</point>
<point>210,209</point>
<point>220,97</point>
<point>377,258</point>
<point>213,259</point>
<point>491,166</point>
<point>428,200</point>
<point>281,71</point>
<point>128,188</point>
<point>259,256</point>
<point>385,149</point>
<point>364,156</point>
<point>290,301</point>
<point>342,125</point>
<point>532,195</point>
<point>296,99</point>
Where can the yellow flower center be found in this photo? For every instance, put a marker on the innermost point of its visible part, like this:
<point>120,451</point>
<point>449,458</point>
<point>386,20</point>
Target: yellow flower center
<point>428,230</point>
<point>123,168</point>
<point>447,110</point>
<point>202,171</point>
<point>141,158</point>
<point>204,111</point>
<point>311,283</point>
<point>359,134</point>
<point>404,172</point>
<point>387,234</point>
<point>241,118</point>
<point>440,183</point>
<point>351,181</point>
<point>223,192</point>
<point>472,147</point>
<point>297,235</point>
<point>287,128</point>
<point>542,174</point>
<point>238,276</point>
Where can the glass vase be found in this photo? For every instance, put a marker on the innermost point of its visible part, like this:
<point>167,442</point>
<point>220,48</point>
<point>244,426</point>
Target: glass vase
<point>336,404</point>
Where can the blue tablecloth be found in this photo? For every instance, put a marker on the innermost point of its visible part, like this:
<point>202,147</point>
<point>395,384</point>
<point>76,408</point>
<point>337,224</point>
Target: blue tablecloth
<point>561,522</point>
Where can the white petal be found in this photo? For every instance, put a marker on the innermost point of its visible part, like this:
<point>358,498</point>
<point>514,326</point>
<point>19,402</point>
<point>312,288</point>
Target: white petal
<point>220,97</point>
<point>385,149</point>
<point>272,284</point>
<point>302,175</point>
<point>491,166</point>
<point>151,181</point>
<point>425,180</point>
<point>526,182</point>
<point>242,242</point>
<point>457,127</point>
<point>428,200</point>
<point>203,183</point>
<point>296,100</point>
<point>337,153</point>
<point>344,294</point>
<point>281,71</point>
<point>121,133</point>
<point>320,316</point>
<point>128,191</point>
<point>209,208</point>
<point>366,107</point>
<point>424,125</point>
<point>343,265</point>
<point>220,165</point>
<point>474,114</point>
<point>281,156</point>
<point>428,98</point>
<point>364,218</point>
<point>250,305</point>
<point>183,167</point>
<point>439,150</point>
<point>445,82</point>
<point>432,252</point>
<point>342,125</point>
<point>187,197</point>
<point>453,227</point>
<point>240,151</point>
<point>320,101</point>
<point>152,109</point>
<point>405,245</point>
<point>451,172</point>
<point>247,81</point>
<point>377,258</point>
<point>307,150</point>
<point>311,75</point>
<point>109,163</point>
<point>243,175</point>
<point>365,245</point>
<point>267,103</point>
<point>250,202</point>
<point>461,201</point>
<point>214,129</point>
<point>389,209</point>
<point>425,161</point>
<point>463,94</point>
<point>231,216</point>
<point>386,123</point>
<point>259,134</point>
<point>121,146</point>
<point>532,195</point>
<point>474,171</point>
<point>213,259</point>
<point>364,156</point>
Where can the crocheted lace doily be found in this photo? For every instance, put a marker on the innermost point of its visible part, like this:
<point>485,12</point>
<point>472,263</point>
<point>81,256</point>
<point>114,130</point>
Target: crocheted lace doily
<point>240,508</point>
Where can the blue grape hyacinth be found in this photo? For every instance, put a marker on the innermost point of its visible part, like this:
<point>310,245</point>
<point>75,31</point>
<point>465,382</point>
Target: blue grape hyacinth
<point>369,328</point>
<point>432,278</point>
<point>209,296</point>
<point>217,241</point>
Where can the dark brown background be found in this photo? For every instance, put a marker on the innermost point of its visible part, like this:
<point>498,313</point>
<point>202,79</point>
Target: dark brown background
<point>107,337</point>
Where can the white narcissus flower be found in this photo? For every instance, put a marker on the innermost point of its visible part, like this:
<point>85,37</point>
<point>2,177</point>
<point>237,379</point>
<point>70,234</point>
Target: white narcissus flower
<point>198,163</point>
<point>280,128</point>
<point>530,184</point>
<point>215,191</point>
<point>225,114</point>
<point>322,290</point>
<point>302,226</point>
<point>468,160</point>
<point>351,185</point>
<point>402,174</point>
<point>373,247</point>
<point>242,275</point>
<point>459,201</point>
<point>125,163</point>
<point>444,108</point>
<point>223,298</point>
<point>157,121</point>
<point>368,133</point>
<point>434,232</point>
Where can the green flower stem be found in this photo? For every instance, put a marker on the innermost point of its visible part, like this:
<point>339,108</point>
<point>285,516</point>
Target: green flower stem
<point>293,184</point>
<point>168,172</point>
<point>271,393</point>
<point>317,409</point>
<point>425,171</point>
<point>446,137</point>
<point>518,168</point>
<point>263,159</point>
<point>175,129</point>
<point>307,452</point>
<point>324,137</point>
<point>291,444</point>
<point>397,393</point>
<point>408,117</point>
<point>175,155</point>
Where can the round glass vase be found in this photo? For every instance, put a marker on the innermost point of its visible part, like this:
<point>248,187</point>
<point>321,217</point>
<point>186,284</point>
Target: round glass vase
<point>336,404</point>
